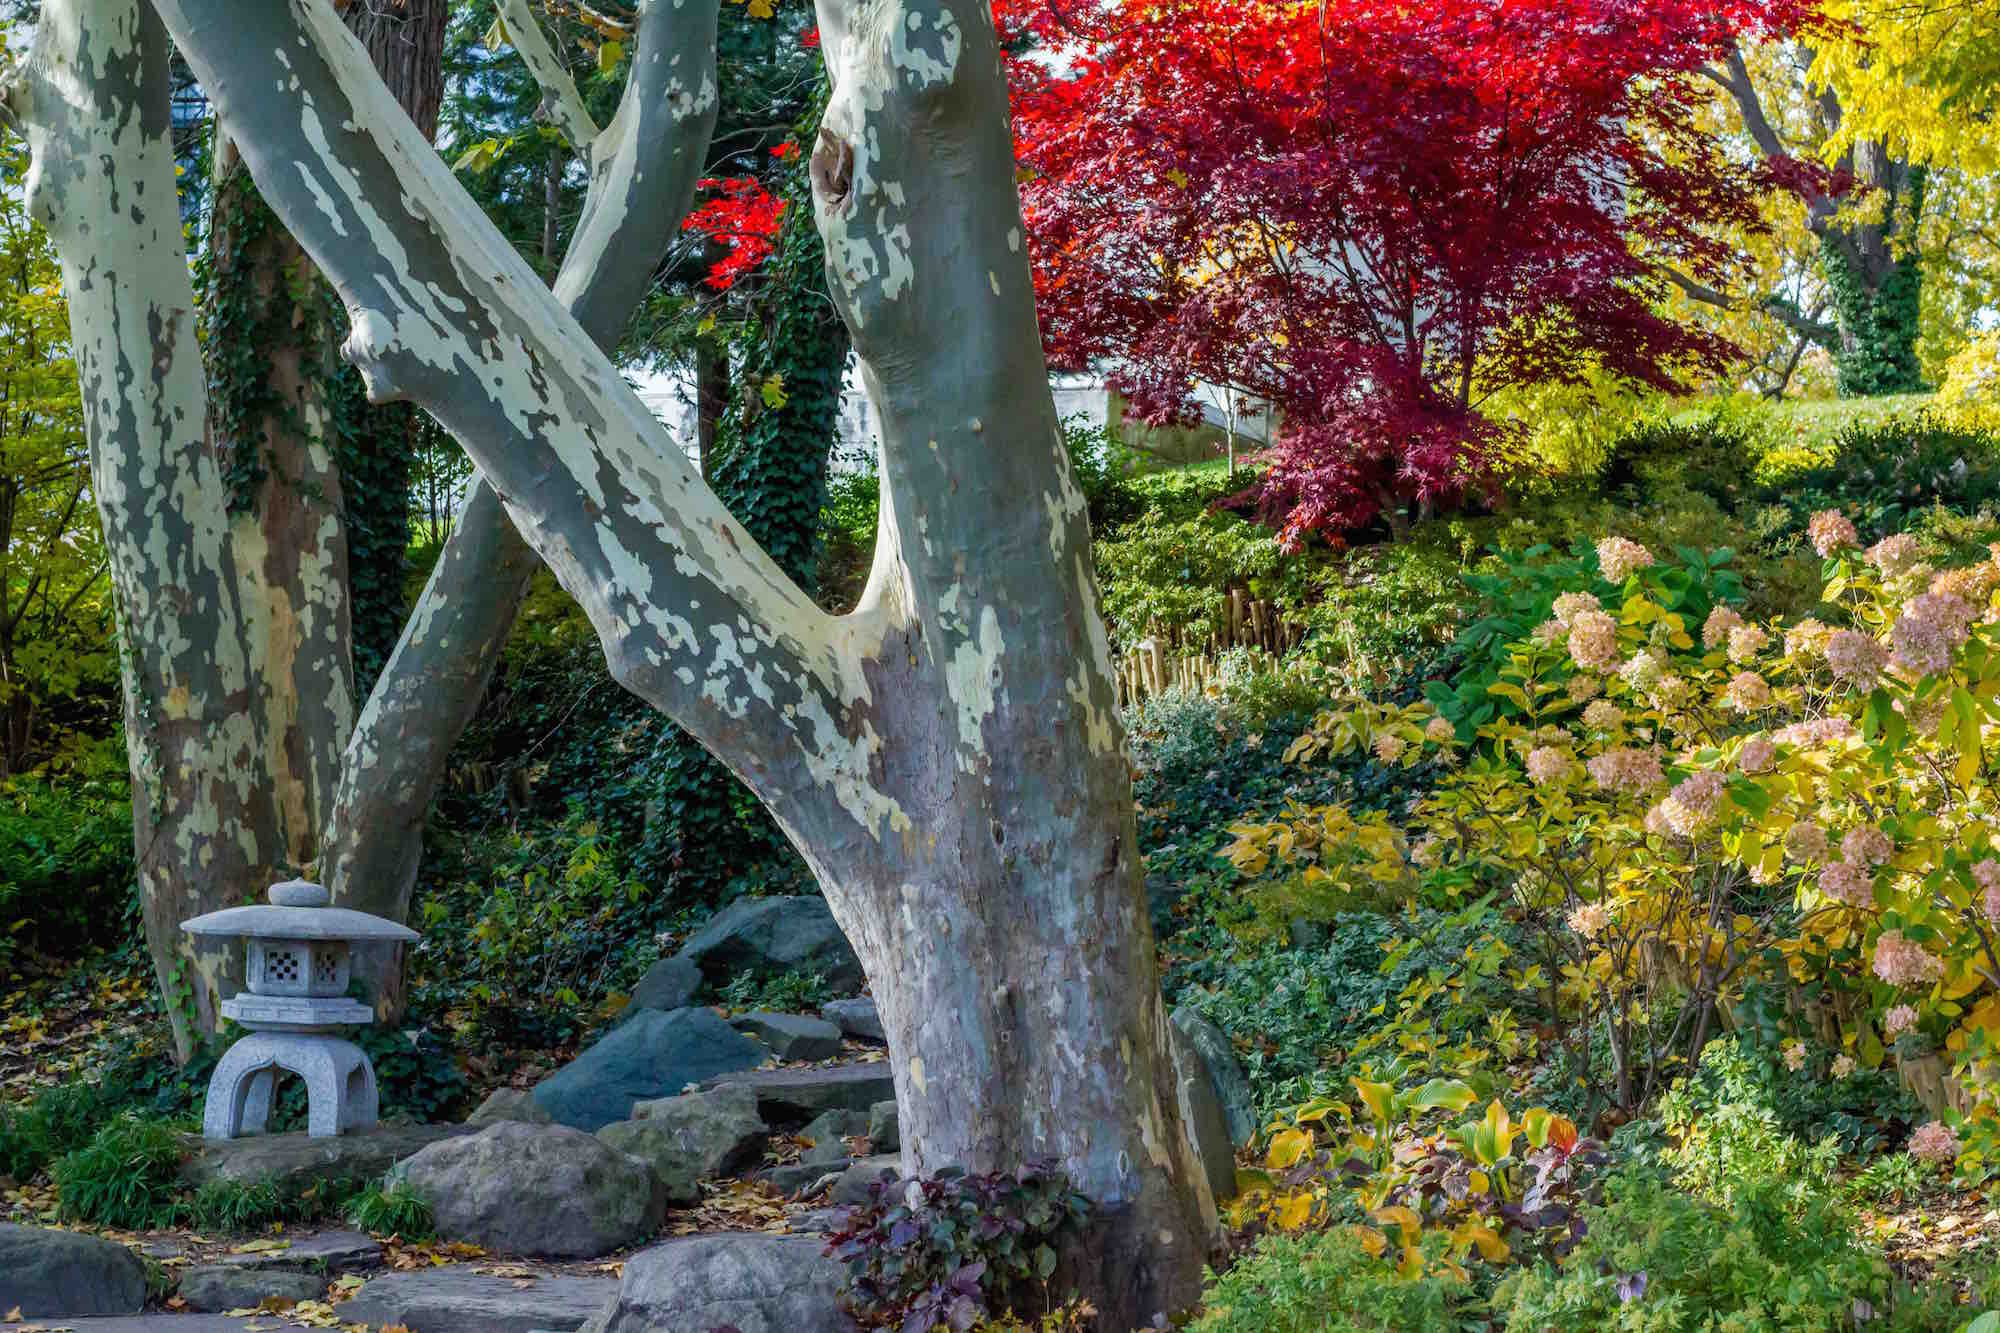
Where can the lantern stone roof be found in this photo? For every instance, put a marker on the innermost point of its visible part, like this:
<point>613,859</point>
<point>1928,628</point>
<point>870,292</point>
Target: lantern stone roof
<point>297,911</point>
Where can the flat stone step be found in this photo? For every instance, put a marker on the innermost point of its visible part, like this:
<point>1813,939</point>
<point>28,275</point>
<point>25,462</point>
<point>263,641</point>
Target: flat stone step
<point>297,1160</point>
<point>163,1323</point>
<point>329,1252</point>
<point>800,1094</point>
<point>455,1300</point>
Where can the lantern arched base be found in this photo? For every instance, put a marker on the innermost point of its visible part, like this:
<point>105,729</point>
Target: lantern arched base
<point>340,1084</point>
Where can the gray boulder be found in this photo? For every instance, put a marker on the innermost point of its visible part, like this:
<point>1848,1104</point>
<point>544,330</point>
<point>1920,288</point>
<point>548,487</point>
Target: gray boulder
<point>458,1300</point>
<point>796,1176</point>
<point>828,1132</point>
<point>671,983</point>
<point>884,1130</point>
<point>1232,1089</point>
<point>655,1055</point>
<point>692,1138</point>
<point>510,1104</point>
<point>746,1280</point>
<point>48,1272</point>
<point>775,935</point>
<point>1201,1112</point>
<point>538,1190</point>
<point>856,1018</point>
<point>791,1036</point>
<point>855,1183</point>
<point>213,1288</point>
<point>794,1096</point>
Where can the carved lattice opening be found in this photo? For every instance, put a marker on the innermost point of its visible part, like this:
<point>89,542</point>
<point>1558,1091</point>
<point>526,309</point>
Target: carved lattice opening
<point>326,967</point>
<point>281,965</point>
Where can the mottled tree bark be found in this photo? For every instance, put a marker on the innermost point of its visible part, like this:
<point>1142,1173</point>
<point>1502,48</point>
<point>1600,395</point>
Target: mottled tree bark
<point>948,758</point>
<point>93,102</point>
<point>270,360</point>
<point>644,168</point>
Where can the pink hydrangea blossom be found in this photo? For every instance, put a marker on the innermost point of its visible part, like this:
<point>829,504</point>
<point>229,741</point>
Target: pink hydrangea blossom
<point>1748,692</point>
<point>1986,874</point>
<point>1902,962</point>
<point>1550,633</point>
<point>1930,628</point>
<point>1745,642</point>
<point>1389,747</point>
<point>1934,1142</point>
<point>1721,622</point>
<point>1806,639</point>
<point>1795,1056</point>
<point>1602,715</point>
<point>1439,732</point>
<point>1757,755</point>
<point>1627,770</point>
<point>1805,841</point>
<point>1815,731</point>
<point>1643,671</point>
<point>1690,807</point>
<point>1898,1020</point>
<point>1593,641</point>
<point>1843,1065</point>
<point>1856,658</point>
<point>1894,554</point>
<point>1866,845</point>
<point>1547,764</point>
<point>1584,688</point>
<point>1590,919</point>
<point>1619,558</point>
<point>1830,531</point>
<point>1846,882</point>
<point>1570,605</point>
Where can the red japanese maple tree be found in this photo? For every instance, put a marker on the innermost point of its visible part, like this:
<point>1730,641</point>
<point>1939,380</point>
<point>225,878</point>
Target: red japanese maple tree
<point>1369,213</point>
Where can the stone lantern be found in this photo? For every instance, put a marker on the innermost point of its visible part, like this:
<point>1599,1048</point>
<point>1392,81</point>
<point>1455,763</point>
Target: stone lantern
<point>295,1002</point>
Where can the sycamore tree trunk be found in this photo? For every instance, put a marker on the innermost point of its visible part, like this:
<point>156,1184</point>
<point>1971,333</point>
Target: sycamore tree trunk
<point>102,182</point>
<point>644,167</point>
<point>949,757</point>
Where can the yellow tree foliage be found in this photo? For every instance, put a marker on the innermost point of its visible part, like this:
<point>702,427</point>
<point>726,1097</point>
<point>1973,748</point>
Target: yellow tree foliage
<point>1923,74</point>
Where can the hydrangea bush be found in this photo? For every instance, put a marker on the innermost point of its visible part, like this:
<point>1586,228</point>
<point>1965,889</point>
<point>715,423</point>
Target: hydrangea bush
<point>1677,808</point>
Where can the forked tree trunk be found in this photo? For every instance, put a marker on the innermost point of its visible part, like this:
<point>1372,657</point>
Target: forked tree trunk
<point>949,757</point>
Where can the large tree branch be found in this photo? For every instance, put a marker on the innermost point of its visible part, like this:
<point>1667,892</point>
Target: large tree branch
<point>694,618</point>
<point>561,102</point>
<point>641,188</point>
<point>1799,322</point>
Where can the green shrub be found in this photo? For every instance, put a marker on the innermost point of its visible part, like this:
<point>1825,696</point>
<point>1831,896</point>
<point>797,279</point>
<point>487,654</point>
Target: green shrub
<point>1743,1116</point>
<point>57,1121</point>
<point>392,1207</point>
<point>66,868</point>
<point>1657,1261</point>
<point>125,1177</point>
<point>1883,475</point>
<point>1307,1019</point>
<point>241,1206</point>
<point>1324,1282</point>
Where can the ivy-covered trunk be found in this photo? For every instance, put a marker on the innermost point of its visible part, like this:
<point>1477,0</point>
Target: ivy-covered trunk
<point>1875,274</point>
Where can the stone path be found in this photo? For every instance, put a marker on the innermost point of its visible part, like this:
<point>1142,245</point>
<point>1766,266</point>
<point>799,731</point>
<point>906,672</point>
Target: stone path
<point>162,1323</point>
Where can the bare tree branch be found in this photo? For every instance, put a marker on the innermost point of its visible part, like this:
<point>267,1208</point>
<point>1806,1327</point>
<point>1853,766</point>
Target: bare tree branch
<point>561,102</point>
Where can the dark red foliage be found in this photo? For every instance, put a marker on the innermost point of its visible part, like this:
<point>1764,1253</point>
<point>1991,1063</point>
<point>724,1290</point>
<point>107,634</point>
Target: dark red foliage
<point>1370,213</point>
<point>743,217</point>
